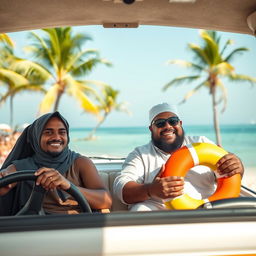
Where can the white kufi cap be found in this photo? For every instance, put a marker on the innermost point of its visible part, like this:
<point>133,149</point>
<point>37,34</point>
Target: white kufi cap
<point>160,108</point>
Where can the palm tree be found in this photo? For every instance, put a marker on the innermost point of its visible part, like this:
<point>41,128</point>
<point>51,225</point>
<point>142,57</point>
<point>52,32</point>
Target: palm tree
<point>211,64</point>
<point>107,103</point>
<point>62,58</point>
<point>11,78</point>
<point>4,38</point>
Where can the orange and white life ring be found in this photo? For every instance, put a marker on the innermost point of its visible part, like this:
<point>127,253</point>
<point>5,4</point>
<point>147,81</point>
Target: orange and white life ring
<point>182,160</point>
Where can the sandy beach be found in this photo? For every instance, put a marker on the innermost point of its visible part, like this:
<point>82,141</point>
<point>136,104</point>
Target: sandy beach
<point>249,178</point>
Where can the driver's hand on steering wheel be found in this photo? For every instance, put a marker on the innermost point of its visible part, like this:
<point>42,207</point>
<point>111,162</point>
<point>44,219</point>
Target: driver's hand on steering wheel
<point>6,189</point>
<point>50,179</point>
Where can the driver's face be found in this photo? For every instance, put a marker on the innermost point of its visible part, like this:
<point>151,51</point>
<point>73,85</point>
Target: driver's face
<point>54,137</point>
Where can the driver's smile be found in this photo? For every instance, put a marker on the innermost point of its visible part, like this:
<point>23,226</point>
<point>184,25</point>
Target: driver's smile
<point>55,143</point>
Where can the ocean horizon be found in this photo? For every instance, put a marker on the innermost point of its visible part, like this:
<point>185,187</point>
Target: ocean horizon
<point>120,141</point>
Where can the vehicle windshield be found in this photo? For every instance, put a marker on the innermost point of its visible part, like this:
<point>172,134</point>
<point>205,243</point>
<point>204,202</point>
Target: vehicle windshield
<point>127,71</point>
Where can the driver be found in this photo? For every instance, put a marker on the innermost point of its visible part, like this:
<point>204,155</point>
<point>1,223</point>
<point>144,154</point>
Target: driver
<point>140,184</point>
<point>43,147</point>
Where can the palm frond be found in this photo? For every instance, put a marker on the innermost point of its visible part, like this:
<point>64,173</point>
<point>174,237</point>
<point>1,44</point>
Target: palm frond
<point>30,88</point>
<point>61,54</point>
<point>83,86</point>
<point>86,104</point>
<point>192,92</point>
<point>199,54</point>
<point>97,83</point>
<point>49,99</point>
<point>12,77</point>
<point>42,51</point>
<point>223,68</point>
<point>21,88</point>
<point>242,78</point>
<point>78,58</point>
<point>211,47</point>
<point>86,67</point>
<point>180,80</point>
<point>31,69</point>
<point>228,42</point>
<point>235,52</point>
<point>54,41</point>
<point>123,107</point>
<point>186,64</point>
<point>6,39</point>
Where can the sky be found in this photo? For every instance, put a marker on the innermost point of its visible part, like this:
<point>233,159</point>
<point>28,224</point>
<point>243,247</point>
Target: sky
<point>139,57</point>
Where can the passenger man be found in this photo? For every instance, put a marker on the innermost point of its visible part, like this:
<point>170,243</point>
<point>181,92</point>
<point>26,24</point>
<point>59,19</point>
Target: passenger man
<point>140,184</point>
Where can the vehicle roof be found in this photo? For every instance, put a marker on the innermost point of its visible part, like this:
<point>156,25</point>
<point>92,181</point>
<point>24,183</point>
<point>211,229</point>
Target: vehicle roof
<point>221,15</point>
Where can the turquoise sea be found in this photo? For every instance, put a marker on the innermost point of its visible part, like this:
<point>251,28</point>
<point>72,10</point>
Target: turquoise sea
<point>119,141</point>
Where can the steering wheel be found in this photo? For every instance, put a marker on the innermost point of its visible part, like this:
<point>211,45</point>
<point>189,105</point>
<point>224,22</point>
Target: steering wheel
<point>34,203</point>
<point>238,202</point>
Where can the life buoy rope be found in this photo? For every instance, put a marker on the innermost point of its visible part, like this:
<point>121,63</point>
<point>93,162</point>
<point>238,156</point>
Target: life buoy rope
<point>182,160</point>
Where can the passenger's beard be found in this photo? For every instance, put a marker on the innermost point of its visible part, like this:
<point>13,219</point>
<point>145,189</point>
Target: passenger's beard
<point>169,147</point>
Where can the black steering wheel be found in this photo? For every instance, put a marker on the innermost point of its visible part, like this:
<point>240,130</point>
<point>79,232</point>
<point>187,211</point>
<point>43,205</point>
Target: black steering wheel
<point>238,202</point>
<point>34,203</point>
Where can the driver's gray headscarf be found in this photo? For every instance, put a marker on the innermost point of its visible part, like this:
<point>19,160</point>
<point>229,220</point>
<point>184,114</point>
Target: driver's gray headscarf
<point>28,155</point>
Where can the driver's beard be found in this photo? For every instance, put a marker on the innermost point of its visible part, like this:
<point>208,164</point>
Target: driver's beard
<point>169,147</point>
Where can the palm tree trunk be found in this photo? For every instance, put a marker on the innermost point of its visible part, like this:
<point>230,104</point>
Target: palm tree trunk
<point>215,117</point>
<point>91,135</point>
<point>57,102</point>
<point>61,90</point>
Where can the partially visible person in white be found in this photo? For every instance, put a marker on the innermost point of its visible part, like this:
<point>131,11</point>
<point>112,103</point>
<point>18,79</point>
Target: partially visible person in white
<point>140,184</point>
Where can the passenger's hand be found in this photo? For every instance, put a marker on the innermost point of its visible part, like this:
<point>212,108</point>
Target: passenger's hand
<point>230,165</point>
<point>6,189</point>
<point>166,187</point>
<point>50,179</point>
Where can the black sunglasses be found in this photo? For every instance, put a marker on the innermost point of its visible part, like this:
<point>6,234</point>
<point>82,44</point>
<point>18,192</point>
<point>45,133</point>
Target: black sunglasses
<point>160,123</point>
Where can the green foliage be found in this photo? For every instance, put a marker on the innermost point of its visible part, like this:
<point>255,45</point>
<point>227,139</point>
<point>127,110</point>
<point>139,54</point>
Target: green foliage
<point>62,61</point>
<point>12,78</point>
<point>59,65</point>
<point>211,64</point>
